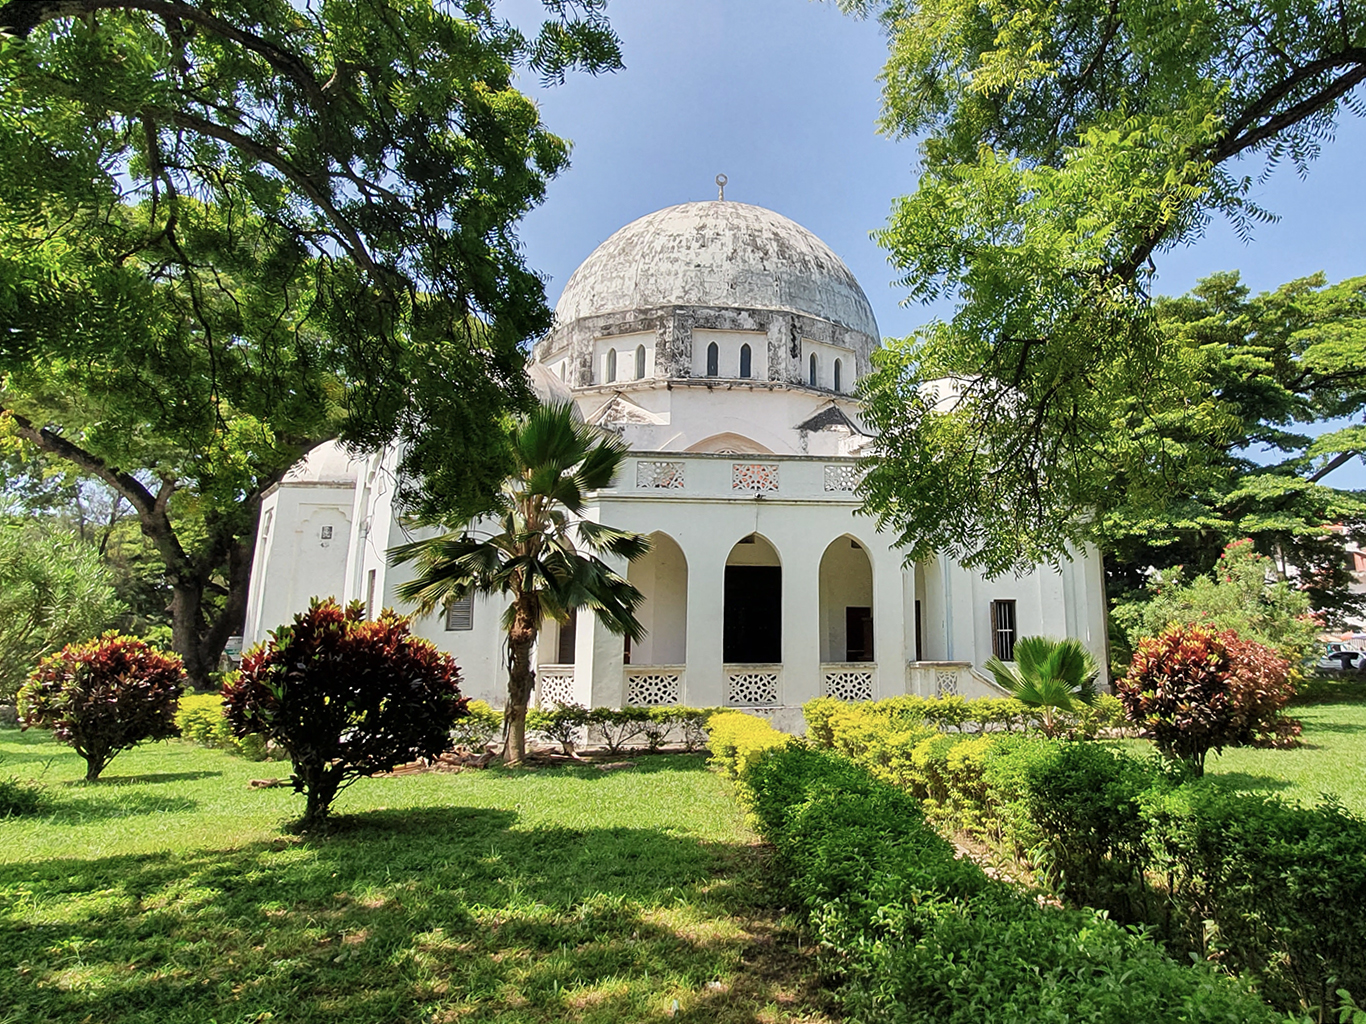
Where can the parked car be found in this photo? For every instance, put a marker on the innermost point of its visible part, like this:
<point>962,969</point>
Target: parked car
<point>1343,661</point>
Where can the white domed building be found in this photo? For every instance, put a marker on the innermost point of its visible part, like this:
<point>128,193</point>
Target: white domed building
<point>723,342</point>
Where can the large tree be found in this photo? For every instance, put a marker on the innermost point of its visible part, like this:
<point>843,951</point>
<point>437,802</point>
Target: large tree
<point>1065,147</point>
<point>234,230</point>
<point>1275,368</point>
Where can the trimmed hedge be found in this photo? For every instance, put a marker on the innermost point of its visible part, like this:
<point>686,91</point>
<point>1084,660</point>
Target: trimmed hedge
<point>960,714</point>
<point>620,728</point>
<point>922,936</point>
<point>1274,891</point>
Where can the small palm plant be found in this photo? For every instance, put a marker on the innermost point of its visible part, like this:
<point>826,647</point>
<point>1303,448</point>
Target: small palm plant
<point>535,548</point>
<point>1051,675</point>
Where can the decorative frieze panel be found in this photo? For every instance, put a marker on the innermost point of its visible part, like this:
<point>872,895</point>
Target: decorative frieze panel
<point>849,684</point>
<point>666,476</point>
<point>754,476</point>
<point>554,687</point>
<point>840,478</point>
<point>646,688</point>
<point>749,689</point>
<point>946,682</point>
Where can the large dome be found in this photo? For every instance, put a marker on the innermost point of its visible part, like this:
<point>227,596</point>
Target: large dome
<point>719,254</point>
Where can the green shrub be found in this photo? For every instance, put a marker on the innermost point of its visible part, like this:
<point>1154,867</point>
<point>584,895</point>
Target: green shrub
<point>480,727</point>
<point>617,727</point>
<point>1272,889</point>
<point>200,720</point>
<point>923,936</point>
<point>19,798</point>
<point>563,723</point>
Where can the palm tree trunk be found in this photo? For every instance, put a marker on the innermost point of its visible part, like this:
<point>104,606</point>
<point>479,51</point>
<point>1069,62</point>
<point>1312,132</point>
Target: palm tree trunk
<point>521,641</point>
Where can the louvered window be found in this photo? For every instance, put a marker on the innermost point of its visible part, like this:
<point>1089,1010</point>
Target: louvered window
<point>460,614</point>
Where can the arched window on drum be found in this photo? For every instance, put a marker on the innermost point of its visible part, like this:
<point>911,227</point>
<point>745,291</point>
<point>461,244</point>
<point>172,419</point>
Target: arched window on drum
<point>713,360</point>
<point>812,377</point>
<point>746,362</point>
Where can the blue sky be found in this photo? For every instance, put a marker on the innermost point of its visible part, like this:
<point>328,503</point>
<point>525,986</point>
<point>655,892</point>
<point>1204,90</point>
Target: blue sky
<point>782,97</point>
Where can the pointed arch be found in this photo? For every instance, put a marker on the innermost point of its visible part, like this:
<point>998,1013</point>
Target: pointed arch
<point>713,360</point>
<point>846,601</point>
<point>611,365</point>
<point>730,444</point>
<point>640,362</point>
<point>839,366</point>
<point>746,361</point>
<point>812,377</point>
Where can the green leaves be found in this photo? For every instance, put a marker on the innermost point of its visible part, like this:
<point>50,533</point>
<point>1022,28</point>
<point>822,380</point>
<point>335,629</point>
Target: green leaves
<point>1065,148</point>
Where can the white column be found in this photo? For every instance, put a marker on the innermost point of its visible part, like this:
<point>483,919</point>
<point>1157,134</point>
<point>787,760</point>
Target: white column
<point>599,656</point>
<point>801,622</point>
<point>703,685</point>
<point>893,617</point>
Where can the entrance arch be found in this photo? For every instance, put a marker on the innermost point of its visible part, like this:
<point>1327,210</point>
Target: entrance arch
<point>661,575</point>
<point>753,614</point>
<point>846,602</point>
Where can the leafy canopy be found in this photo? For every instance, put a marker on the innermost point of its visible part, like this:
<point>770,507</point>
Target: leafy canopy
<point>54,591</point>
<point>1065,148</point>
<point>234,231</point>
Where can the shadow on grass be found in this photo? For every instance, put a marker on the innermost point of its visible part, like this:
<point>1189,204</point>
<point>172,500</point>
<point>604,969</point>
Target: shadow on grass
<point>143,780</point>
<point>432,914</point>
<point>1246,782</point>
<point>68,809</point>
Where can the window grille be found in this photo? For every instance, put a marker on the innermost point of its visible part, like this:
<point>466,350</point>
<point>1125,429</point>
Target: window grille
<point>460,614</point>
<point>1003,630</point>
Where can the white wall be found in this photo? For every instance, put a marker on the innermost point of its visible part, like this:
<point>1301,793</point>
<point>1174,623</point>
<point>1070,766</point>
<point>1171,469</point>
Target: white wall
<point>625,346</point>
<point>728,352</point>
<point>825,365</point>
<point>294,561</point>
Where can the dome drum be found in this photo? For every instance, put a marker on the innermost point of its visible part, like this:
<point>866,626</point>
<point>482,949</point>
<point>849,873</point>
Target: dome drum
<point>677,336</point>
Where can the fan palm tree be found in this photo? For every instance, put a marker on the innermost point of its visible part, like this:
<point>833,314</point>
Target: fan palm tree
<point>535,547</point>
<point>1051,675</point>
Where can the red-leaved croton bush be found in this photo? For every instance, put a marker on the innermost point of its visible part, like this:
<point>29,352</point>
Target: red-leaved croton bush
<point>345,698</point>
<point>104,696</point>
<point>1193,690</point>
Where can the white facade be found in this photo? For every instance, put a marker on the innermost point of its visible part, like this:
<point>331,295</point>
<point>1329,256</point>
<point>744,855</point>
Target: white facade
<point>692,334</point>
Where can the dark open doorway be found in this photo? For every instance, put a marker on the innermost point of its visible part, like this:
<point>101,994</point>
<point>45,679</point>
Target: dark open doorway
<point>753,615</point>
<point>858,632</point>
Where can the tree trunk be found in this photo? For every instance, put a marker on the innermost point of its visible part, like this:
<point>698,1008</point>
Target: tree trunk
<point>521,641</point>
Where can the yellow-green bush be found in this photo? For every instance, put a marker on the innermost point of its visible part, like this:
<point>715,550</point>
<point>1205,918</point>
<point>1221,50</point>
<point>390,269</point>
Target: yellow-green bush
<point>737,740</point>
<point>200,720</point>
<point>482,725</point>
<point>881,743</point>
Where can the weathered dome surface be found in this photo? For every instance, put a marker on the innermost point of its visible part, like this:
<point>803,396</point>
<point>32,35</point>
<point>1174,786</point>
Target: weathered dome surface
<point>329,463</point>
<point>716,253</point>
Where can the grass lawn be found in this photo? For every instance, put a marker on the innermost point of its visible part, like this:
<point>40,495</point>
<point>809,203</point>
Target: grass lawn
<point>1331,759</point>
<point>169,893</point>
